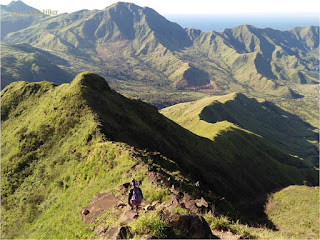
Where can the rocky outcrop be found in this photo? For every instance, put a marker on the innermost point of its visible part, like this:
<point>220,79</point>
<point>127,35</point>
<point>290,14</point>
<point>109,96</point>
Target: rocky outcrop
<point>194,226</point>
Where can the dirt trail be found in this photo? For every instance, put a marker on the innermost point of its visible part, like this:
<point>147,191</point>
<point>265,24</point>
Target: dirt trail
<point>100,203</point>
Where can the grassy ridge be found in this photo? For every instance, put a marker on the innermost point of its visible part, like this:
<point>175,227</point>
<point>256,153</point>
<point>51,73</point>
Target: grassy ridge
<point>152,50</point>
<point>294,211</point>
<point>285,130</point>
<point>307,108</point>
<point>50,169</point>
<point>64,144</point>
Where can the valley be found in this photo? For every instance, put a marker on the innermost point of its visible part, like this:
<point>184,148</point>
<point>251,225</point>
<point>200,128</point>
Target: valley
<point>221,129</point>
<point>136,51</point>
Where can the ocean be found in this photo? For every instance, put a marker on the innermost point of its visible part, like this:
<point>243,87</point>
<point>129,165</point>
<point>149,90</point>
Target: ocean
<point>219,22</point>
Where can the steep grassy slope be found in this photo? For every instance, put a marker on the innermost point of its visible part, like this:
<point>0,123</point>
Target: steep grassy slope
<point>61,145</point>
<point>307,108</point>
<point>23,62</point>
<point>54,159</point>
<point>285,130</point>
<point>288,209</point>
<point>294,211</point>
<point>261,62</point>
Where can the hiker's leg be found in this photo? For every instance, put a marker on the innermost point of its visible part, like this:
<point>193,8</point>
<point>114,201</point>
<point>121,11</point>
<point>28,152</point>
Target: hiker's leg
<point>131,204</point>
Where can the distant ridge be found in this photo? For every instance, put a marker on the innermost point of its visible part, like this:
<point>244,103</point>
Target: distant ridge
<point>286,131</point>
<point>18,6</point>
<point>259,62</point>
<point>16,16</point>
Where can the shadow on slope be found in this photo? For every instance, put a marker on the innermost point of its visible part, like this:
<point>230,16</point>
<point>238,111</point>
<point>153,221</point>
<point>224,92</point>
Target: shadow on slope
<point>253,160</point>
<point>21,62</point>
<point>287,131</point>
<point>238,166</point>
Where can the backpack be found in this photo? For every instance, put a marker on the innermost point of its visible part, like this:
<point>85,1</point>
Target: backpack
<point>136,195</point>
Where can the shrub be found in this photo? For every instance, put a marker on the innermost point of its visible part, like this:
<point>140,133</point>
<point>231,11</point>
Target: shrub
<point>218,223</point>
<point>243,231</point>
<point>154,193</point>
<point>149,224</point>
<point>180,210</point>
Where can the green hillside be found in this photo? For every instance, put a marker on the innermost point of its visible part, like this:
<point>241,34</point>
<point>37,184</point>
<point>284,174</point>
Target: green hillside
<point>22,62</point>
<point>159,55</point>
<point>307,108</point>
<point>285,130</point>
<point>61,145</point>
<point>294,211</point>
<point>288,209</point>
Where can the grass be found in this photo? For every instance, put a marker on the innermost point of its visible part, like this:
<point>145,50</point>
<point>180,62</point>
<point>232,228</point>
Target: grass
<point>220,223</point>
<point>152,194</point>
<point>223,223</point>
<point>64,144</point>
<point>43,191</point>
<point>180,210</point>
<point>295,211</point>
<point>207,116</point>
<point>22,62</point>
<point>149,223</point>
<point>306,109</point>
<point>143,57</point>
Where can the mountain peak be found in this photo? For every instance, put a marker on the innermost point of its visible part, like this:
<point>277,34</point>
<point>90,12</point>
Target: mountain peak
<point>18,6</point>
<point>91,80</point>
<point>127,5</point>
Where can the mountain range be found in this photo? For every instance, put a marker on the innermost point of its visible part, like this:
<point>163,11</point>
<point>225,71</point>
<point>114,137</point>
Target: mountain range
<point>160,54</point>
<point>80,100</point>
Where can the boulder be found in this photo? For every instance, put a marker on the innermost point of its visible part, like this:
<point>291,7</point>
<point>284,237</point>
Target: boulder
<point>189,203</point>
<point>194,226</point>
<point>85,211</point>
<point>202,205</point>
<point>124,233</point>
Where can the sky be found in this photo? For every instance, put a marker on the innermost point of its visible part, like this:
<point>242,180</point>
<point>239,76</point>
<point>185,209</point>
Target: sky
<point>216,7</point>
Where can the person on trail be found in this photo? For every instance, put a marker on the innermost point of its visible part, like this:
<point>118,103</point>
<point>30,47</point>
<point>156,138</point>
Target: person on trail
<point>135,195</point>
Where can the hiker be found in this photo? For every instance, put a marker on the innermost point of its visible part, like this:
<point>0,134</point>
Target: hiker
<point>135,195</point>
